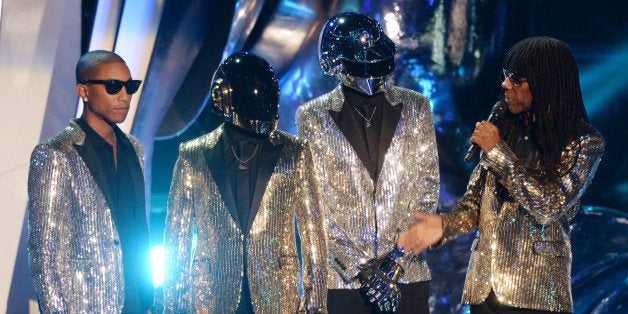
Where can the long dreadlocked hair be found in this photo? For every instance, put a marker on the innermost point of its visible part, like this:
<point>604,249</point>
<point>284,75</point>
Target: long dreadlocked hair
<point>551,71</point>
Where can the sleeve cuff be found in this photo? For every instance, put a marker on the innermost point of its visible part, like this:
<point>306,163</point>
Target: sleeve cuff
<point>500,159</point>
<point>348,274</point>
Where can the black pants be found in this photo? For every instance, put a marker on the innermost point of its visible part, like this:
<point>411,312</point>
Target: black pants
<point>492,306</point>
<point>414,300</point>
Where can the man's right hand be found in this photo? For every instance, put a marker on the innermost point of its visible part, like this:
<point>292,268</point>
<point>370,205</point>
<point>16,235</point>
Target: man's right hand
<point>427,231</point>
<point>379,277</point>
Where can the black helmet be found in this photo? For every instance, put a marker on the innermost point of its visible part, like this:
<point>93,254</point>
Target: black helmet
<point>355,44</point>
<point>245,92</point>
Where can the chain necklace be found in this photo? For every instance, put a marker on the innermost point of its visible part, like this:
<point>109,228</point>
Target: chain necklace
<point>368,121</point>
<point>242,165</point>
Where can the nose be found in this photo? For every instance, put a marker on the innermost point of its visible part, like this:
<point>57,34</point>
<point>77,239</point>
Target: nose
<point>506,84</point>
<point>123,95</point>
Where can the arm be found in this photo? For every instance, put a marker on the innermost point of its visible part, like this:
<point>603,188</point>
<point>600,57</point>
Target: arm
<point>549,201</point>
<point>433,229</point>
<point>313,243</point>
<point>427,170</point>
<point>417,238</point>
<point>178,235</point>
<point>49,196</point>
<point>139,150</point>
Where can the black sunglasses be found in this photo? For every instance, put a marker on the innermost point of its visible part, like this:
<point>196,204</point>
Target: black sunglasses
<point>115,86</point>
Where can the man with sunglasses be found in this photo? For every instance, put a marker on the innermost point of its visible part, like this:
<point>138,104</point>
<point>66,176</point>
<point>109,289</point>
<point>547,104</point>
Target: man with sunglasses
<point>88,241</point>
<point>537,161</point>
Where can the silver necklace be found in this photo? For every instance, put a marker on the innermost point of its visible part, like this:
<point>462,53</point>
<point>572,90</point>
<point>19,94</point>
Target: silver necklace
<point>368,121</point>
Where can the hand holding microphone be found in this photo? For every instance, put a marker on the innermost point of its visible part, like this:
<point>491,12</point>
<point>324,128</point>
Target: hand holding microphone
<point>484,130</point>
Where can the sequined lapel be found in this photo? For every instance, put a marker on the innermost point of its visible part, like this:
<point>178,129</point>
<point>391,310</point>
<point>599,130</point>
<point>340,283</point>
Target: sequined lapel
<point>271,151</point>
<point>390,120</point>
<point>216,163</point>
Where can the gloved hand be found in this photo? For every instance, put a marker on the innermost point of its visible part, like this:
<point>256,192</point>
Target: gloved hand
<point>378,278</point>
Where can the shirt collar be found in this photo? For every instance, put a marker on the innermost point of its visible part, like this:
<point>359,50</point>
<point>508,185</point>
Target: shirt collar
<point>94,138</point>
<point>356,98</point>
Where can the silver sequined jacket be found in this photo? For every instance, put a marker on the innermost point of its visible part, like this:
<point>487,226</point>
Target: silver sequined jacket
<point>204,245</point>
<point>74,247</point>
<point>523,251</point>
<point>361,225</point>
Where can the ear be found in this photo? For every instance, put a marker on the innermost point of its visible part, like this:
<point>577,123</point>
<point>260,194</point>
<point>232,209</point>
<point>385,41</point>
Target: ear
<point>81,90</point>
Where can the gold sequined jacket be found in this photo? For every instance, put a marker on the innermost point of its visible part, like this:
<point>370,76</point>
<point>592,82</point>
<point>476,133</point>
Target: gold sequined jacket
<point>523,249</point>
<point>74,247</point>
<point>361,225</point>
<point>205,246</point>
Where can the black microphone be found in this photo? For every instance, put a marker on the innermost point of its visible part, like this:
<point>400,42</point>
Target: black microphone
<point>499,108</point>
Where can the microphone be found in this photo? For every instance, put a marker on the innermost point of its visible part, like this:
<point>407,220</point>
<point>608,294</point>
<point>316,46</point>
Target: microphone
<point>499,109</point>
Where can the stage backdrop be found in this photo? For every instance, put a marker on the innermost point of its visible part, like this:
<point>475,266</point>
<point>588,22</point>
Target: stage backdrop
<point>449,50</point>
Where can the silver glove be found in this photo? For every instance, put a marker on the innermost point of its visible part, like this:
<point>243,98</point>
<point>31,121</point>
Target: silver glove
<point>378,278</point>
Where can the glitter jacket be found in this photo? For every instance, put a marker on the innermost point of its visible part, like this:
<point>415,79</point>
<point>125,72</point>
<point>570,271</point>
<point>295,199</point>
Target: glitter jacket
<point>205,247</point>
<point>74,247</point>
<point>361,225</point>
<point>523,250</point>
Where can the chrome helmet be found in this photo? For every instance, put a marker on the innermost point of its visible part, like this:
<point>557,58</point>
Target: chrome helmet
<point>245,92</point>
<point>355,47</point>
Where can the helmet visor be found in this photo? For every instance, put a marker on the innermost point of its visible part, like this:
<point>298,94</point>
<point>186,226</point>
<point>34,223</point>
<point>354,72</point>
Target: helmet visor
<point>369,69</point>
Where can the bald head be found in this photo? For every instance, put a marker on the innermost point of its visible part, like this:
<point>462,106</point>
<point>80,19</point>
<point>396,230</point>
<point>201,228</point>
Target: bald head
<point>90,62</point>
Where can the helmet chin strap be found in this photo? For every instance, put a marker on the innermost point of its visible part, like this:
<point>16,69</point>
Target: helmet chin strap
<point>369,86</point>
<point>100,116</point>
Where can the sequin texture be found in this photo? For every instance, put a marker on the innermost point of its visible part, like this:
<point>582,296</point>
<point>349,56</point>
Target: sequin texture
<point>205,247</point>
<point>523,247</point>
<point>74,247</point>
<point>363,221</point>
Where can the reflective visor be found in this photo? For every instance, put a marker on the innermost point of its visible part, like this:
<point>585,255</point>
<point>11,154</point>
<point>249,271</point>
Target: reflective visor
<point>369,70</point>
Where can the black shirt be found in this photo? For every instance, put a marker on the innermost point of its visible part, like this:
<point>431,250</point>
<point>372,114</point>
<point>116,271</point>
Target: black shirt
<point>128,213</point>
<point>517,133</point>
<point>362,119</point>
<point>242,160</point>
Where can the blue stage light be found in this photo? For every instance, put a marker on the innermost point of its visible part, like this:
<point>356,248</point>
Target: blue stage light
<point>157,259</point>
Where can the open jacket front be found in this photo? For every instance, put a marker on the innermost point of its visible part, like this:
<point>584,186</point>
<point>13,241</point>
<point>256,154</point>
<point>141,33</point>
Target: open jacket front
<point>206,247</point>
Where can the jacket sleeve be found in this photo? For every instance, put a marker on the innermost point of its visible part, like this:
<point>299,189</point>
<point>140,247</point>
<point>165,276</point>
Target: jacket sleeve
<point>49,197</point>
<point>313,243</point>
<point>178,235</point>
<point>464,216</point>
<point>548,202</point>
<point>428,169</point>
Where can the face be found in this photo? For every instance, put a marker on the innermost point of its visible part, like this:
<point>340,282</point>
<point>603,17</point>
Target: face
<point>111,107</point>
<point>519,98</point>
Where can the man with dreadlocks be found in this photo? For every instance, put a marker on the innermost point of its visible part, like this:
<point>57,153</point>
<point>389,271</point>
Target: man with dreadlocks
<point>537,161</point>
